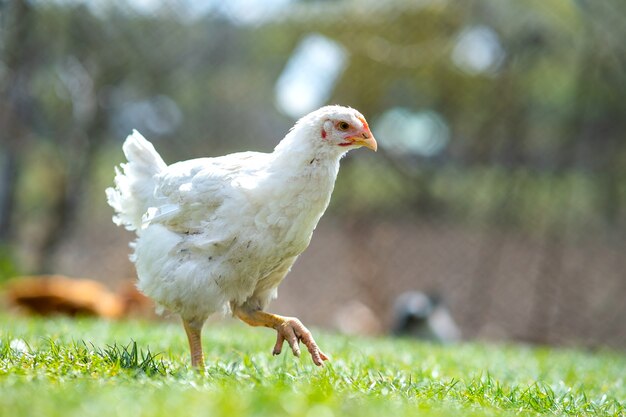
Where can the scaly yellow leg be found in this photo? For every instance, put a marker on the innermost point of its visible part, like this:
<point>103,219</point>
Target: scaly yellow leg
<point>194,331</point>
<point>288,328</point>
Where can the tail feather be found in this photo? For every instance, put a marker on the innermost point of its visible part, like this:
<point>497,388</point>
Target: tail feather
<point>134,182</point>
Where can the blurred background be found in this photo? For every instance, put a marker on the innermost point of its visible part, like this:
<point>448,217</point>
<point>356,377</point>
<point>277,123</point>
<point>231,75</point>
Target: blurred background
<point>499,188</point>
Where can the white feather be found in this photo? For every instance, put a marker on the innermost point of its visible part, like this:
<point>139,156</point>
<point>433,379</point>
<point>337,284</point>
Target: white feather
<point>134,182</point>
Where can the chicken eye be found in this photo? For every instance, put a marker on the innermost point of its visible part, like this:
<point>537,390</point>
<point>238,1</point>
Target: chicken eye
<point>343,126</point>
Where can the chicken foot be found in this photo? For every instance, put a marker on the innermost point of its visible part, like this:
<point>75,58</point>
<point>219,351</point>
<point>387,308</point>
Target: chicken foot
<point>288,328</point>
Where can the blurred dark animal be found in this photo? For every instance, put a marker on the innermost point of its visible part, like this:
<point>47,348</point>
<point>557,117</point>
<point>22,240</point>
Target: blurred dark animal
<point>424,317</point>
<point>57,294</point>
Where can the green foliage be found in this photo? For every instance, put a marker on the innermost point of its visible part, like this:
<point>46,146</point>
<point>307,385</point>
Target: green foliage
<point>43,371</point>
<point>8,266</point>
<point>528,200</point>
<point>130,357</point>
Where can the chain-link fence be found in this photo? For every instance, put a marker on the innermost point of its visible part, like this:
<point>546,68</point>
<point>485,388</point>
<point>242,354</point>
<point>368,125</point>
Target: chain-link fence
<point>499,185</point>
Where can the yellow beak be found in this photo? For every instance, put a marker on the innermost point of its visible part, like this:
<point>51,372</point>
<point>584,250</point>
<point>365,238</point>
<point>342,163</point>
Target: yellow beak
<point>366,139</point>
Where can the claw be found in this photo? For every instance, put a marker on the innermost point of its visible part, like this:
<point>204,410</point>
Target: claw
<point>278,347</point>
<point>294,331</point>
<point>288,328</point>
<point>290,335</point>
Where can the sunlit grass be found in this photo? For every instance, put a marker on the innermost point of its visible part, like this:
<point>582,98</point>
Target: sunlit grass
<point>92,367</point>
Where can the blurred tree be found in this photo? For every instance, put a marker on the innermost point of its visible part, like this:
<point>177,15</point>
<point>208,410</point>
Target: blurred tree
<point>15,104</point>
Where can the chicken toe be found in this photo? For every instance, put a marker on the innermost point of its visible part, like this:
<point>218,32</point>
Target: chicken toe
<point>294,332</point>
<point>288,329</point>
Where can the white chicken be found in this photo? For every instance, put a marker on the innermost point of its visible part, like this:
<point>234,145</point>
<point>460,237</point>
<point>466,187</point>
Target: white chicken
<point>220,234</point>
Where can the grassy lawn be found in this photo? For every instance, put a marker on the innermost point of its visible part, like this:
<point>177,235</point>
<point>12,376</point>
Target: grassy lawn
<point>87,368</point>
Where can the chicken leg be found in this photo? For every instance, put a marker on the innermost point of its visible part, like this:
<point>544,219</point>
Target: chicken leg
<point>288,328</point>
<point>194,331</point>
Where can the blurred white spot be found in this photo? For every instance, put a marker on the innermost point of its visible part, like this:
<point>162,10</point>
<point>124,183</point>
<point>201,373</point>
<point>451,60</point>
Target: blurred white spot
<point>478,50</point>
<point>401,131</point>
<point>146,7</point>
<point>310,75</point>
<point>158,115</point>
<point>250,12</point>
<point>19,346</point>
<point>79,85</point>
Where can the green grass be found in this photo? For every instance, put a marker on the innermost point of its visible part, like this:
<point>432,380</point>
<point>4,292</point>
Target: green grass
<point>95,368</point>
